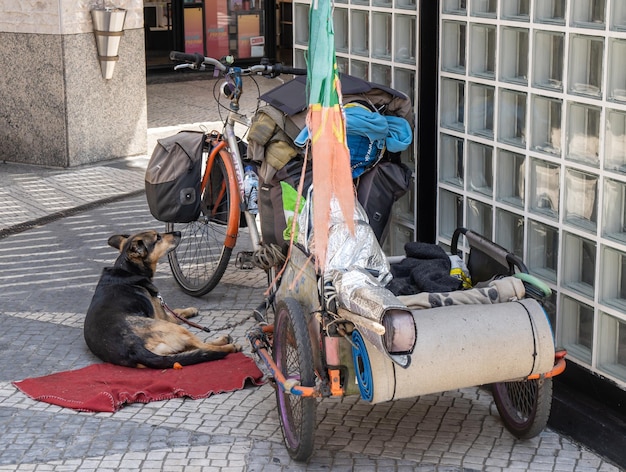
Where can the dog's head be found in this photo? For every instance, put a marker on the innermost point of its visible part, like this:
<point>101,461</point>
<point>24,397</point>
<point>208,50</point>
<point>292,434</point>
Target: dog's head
<point>141,251</point>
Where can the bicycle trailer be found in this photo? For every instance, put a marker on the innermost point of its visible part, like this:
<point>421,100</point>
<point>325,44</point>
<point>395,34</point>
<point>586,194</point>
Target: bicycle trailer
<point>346,334</point>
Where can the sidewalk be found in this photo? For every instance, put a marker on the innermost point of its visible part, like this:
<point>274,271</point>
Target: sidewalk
<point>48,275</point>
<point>31,195</point>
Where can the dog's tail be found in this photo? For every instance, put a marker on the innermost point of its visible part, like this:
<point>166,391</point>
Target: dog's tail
<point>149,359</point>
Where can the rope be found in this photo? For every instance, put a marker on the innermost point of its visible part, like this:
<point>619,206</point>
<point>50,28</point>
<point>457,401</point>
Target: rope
<point>268,256</point>
<point>196,325</point>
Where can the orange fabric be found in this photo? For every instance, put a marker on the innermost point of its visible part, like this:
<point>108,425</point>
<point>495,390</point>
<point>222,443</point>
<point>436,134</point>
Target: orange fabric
<point>332,176</point>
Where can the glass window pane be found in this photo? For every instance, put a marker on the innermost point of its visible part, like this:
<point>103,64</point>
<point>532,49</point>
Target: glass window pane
<point>381,74</point>
<point>546,125</point>
<point>481,103</point>
<point>405,46</point>
<point>516,10</point>
<point>486,8</point>
<point>301,18</point>
<point>614,214</point>
<point>510,183</point>
<point>579,267</point>
<point>452,104</point>
<point>544,188</point>
<point>550,11</point>
<point>512,125</point>
<point>617,71</point>
<point>618,15</point>
<point>588,13</point>
<point>480,168</point>
<point>543,259</point>
<point>340,25</point>
<point>613,278</point>
<point>548,60</point>
<point>450,213</point>
<point>343,64</point>
<point>382,3</point>
<point>456,7</point>
<point>510,232</point>
<point>404,80</point>
<point>451,160</point>
<point>453,46</point>
<point>398,236</point>
<point>615,141</point>
<point>585,63</point>
<point>514,55</point>
<point>407,4</point>
<point>581,199</point>
<point>359,69</point>
<point>583,134</point>
<point>359,27</point>
<point>381,35</point>
<point>612,346</point>
<point>576,331</point>
<point>483,51</point>
<point>479,217</point>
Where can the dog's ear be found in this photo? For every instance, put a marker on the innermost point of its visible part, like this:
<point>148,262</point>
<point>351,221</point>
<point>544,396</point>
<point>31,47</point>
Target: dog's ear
<point>138,248</point>
<point>117,241</point>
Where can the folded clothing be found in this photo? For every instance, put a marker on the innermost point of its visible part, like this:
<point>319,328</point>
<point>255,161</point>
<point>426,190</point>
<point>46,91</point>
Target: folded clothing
<point>426,268</point>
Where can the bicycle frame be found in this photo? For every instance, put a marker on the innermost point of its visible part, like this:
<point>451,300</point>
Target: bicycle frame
<point>207,243</point>
<point>227,146</point>
<point>231,138</point>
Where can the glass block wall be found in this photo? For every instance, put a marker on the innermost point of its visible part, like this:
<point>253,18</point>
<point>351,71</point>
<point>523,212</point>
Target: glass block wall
<point>375,40</point>
<point>532,153</point>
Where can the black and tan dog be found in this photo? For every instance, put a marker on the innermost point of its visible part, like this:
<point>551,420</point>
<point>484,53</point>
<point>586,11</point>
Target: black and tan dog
<point>126,323</point>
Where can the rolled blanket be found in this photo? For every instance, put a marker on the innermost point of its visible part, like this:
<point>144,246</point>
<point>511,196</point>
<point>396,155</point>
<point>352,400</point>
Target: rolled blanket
<point>501,290</point>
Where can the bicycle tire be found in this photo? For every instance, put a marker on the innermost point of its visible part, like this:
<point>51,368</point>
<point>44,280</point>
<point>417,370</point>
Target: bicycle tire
<point>202,256</point>
<point>294,359</point>
<point>524,406</point>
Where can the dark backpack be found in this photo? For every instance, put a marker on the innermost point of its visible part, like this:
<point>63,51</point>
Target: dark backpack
<point>173,177</point>
<point>378,189</point>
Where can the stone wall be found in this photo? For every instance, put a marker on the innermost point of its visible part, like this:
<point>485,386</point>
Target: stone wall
<point>56,108</point>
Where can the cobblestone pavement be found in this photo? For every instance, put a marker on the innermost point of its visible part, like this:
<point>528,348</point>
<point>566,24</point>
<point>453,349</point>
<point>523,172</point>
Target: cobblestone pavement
<point>48,273</point>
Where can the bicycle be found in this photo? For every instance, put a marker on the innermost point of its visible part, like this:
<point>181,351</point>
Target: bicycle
<point>206,246</point>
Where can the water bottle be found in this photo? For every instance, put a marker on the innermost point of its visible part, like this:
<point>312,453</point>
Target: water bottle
<point>250,185</point>
<point>460,271</point>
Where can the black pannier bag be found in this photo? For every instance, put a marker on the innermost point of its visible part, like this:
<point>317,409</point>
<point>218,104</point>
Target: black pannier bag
<point>271,201</point>
<point>378,189</point>
<point>173,177</point>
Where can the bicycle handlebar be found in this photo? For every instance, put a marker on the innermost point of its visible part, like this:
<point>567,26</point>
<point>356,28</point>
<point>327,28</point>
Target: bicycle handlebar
<point>198,61</point>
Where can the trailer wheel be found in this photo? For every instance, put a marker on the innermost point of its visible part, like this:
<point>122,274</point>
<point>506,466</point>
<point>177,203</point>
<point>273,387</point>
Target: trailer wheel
<point>293,356</point>
<point>524,406</point>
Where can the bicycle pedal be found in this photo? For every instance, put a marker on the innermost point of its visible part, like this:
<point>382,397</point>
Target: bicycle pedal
<point>245,260</point>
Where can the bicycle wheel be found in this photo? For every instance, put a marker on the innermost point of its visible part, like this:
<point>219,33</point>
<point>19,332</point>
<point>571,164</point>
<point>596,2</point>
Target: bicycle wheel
<point>201,258</point>
<point>294,359</point>
<point>524,406</point>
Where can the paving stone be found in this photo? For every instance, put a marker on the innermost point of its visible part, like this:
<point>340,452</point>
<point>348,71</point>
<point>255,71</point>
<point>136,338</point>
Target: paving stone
<point>48,275</point>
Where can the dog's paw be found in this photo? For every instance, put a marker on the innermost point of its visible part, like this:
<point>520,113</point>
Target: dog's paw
<point>222,340</point>
<point>235,347</point>
<point>187,312</point>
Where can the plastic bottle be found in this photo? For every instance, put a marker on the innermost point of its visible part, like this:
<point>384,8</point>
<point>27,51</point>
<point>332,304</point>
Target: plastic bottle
<point>460,271</point>
<point>250,185</point>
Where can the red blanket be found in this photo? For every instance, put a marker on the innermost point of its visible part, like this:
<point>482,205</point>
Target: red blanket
<point>107,387</point>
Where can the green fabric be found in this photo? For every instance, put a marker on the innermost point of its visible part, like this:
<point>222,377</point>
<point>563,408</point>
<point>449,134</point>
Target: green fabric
<point>279,153</point>
<point>322,65</point>
<point>290,197</point>
<point>262,129</point>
